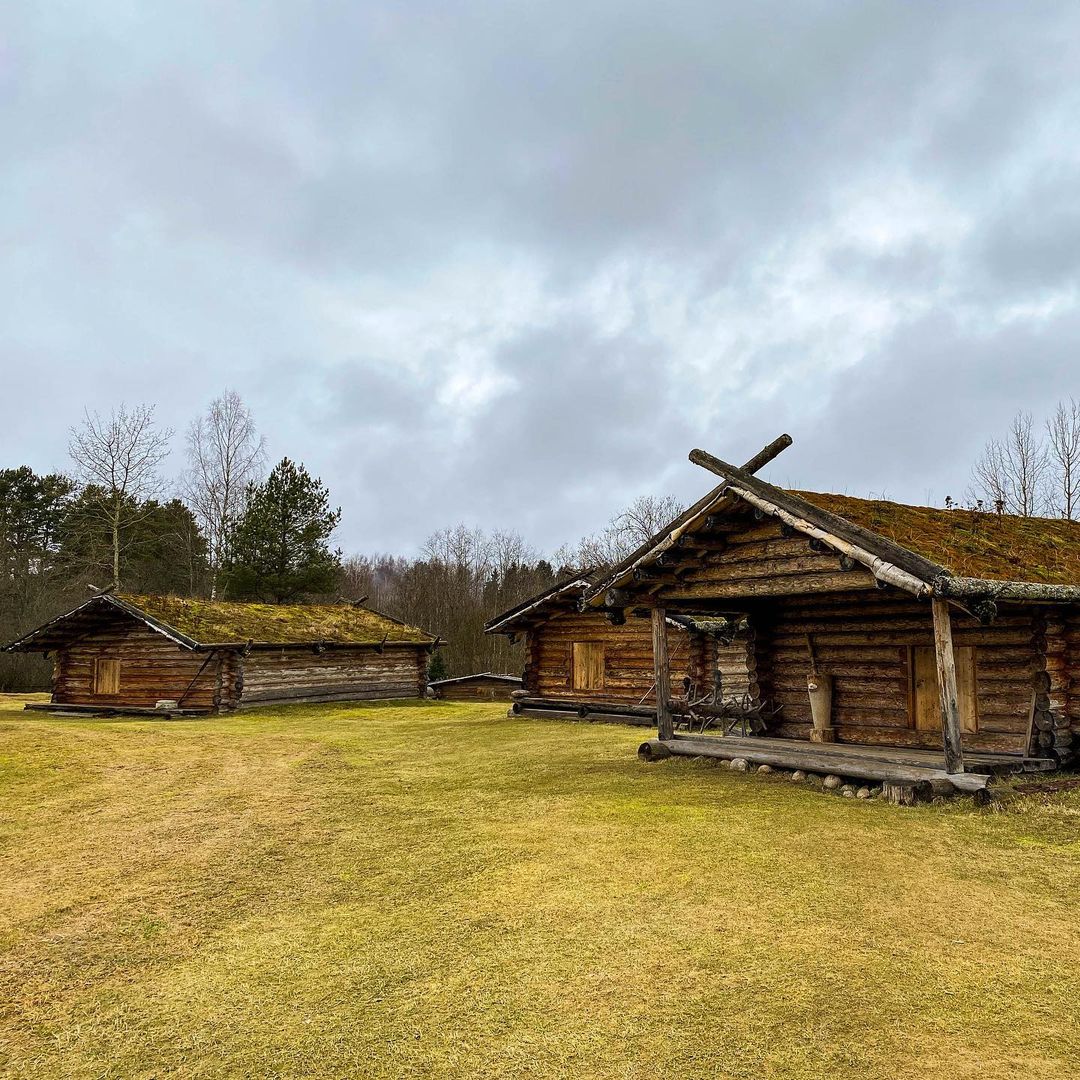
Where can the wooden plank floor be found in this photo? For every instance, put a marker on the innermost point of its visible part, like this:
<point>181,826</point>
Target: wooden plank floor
<point>801,751</point>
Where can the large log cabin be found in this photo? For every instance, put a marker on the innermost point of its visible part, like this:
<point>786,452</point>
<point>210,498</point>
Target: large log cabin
<point>888,642</point>
<point>583,663</point>
<point>133,654</point>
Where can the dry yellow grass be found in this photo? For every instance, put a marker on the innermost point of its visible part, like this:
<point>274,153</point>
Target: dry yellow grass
<point>432,890</point>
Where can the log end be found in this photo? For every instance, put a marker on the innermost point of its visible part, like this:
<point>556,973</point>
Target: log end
<point>653,750</point>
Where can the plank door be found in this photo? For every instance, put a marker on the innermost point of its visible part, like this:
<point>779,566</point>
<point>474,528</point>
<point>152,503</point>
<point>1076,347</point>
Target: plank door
<point>106,676</point>
<point>588,665</point>
<point>926,700</point>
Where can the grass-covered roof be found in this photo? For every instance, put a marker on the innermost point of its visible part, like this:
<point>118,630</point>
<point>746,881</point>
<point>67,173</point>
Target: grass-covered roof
<point>220,622</point>
<point>999,547</point>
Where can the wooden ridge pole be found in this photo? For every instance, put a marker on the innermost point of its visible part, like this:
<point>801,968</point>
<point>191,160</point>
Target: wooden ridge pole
<point>946,675</point>
<point>662,668</point>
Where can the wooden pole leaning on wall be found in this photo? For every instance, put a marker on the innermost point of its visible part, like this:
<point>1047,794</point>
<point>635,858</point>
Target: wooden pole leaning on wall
<point>662,668</point>
<point>819,687</point>
<point>946,676</point>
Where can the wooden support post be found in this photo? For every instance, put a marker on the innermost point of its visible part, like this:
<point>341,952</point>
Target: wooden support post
<point>662,668</point>
<point>946,677</point>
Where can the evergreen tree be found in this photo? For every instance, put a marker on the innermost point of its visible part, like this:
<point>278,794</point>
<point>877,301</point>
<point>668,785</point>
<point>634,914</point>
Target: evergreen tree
<point>163,550</point>
<point>33,585</point>
<point>437,668</point>
<point>279,550</point>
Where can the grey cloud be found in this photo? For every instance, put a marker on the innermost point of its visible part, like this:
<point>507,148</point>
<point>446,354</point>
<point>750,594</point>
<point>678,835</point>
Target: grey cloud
<point>637,227</point>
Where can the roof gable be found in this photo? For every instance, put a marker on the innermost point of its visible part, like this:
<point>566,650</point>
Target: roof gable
<point>920,549</point>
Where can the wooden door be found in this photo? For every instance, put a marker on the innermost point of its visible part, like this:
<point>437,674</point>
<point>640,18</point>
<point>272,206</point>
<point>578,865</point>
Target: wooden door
<point>588,665</point>
<point>925,698</point>
<point>107,677</point>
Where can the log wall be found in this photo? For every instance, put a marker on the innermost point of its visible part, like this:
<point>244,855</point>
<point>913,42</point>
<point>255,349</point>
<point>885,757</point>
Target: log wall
<point>866,644</point>
<point>628,660</point>
<point>1060,729</point>
<point>759,560</point>
<point>360,674</point>
<point>151,668</point>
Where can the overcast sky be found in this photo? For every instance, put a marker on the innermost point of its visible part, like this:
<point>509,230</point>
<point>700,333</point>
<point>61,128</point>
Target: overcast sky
<point>508,263</point>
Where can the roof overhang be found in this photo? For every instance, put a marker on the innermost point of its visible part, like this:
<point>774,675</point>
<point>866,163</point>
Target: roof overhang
<point>86,617</point>
<point>511,621</point>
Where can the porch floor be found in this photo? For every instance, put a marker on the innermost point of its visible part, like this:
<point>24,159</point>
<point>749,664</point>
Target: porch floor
<point>881,763</point>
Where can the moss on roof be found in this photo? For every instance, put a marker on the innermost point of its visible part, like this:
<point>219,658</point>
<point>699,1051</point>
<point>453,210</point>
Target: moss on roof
<point>221,621</point>
<point>1000,547</point>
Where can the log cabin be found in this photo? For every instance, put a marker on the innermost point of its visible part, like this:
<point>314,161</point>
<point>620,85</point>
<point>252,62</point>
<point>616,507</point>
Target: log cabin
<point>583,663</point>
<point>165,654</point>
<point>892,643</point>
<point>484,686</point>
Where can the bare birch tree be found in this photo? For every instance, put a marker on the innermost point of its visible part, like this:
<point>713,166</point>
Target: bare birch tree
<point>625,532</point>
<point>1063,435</point>
<point>225,453</point>
<point>644,518</point>
<point>117,459</point>
<point>1011,473</point>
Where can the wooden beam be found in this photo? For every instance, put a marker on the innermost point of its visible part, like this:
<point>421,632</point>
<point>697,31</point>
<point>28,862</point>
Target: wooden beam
<point>793,754</point>
<point>767,453</point>
<point>662,669</point>
<point>946,674</point>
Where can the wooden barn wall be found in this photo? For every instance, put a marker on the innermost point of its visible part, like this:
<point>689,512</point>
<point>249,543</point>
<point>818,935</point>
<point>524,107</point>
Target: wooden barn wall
<point>760,561</point>
<point>865,643</point>
<point>300,674</point>
<point>477,690</point>
<point>151,668</point>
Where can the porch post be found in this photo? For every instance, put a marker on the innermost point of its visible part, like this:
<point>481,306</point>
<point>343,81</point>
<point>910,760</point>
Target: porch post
<point>946,677</point>
<point>662,669</point>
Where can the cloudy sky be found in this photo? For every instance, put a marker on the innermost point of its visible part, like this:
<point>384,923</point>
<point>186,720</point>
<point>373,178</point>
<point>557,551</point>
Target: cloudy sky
<point>507,263</point>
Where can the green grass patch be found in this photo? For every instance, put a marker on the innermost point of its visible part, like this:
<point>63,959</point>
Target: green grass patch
<point>435,890</point>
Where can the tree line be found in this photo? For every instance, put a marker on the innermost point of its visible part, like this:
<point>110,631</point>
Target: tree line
<point>228,529</point>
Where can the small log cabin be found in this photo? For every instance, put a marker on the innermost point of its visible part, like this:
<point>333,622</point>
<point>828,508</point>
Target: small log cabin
<point>121,654</point>
<point>582,663</point>
<point>888,642</point>
<point>485,686</point>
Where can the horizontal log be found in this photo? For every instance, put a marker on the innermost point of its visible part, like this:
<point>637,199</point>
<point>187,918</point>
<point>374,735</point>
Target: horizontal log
<point>815,759</point>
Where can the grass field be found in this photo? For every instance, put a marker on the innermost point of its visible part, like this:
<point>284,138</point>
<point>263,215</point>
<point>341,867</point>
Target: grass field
<point>429,890</point>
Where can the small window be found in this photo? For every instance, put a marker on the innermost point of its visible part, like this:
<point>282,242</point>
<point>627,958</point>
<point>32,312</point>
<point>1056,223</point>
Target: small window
<point>107,677</point>
<point>588,665</point>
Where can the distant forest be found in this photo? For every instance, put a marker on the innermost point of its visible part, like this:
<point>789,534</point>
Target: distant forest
<point>229,527</point>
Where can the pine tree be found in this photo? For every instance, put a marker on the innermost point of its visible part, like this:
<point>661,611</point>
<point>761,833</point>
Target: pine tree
<point>437,668</point>
<point>279,550</point>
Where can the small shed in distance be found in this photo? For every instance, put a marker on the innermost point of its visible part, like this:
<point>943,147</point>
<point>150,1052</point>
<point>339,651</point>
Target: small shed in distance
<point>486,686</point>
<point>125,654</point>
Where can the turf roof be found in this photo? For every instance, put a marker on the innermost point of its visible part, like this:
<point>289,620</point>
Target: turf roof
<point>998,547</point>
<point>224,622</point>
